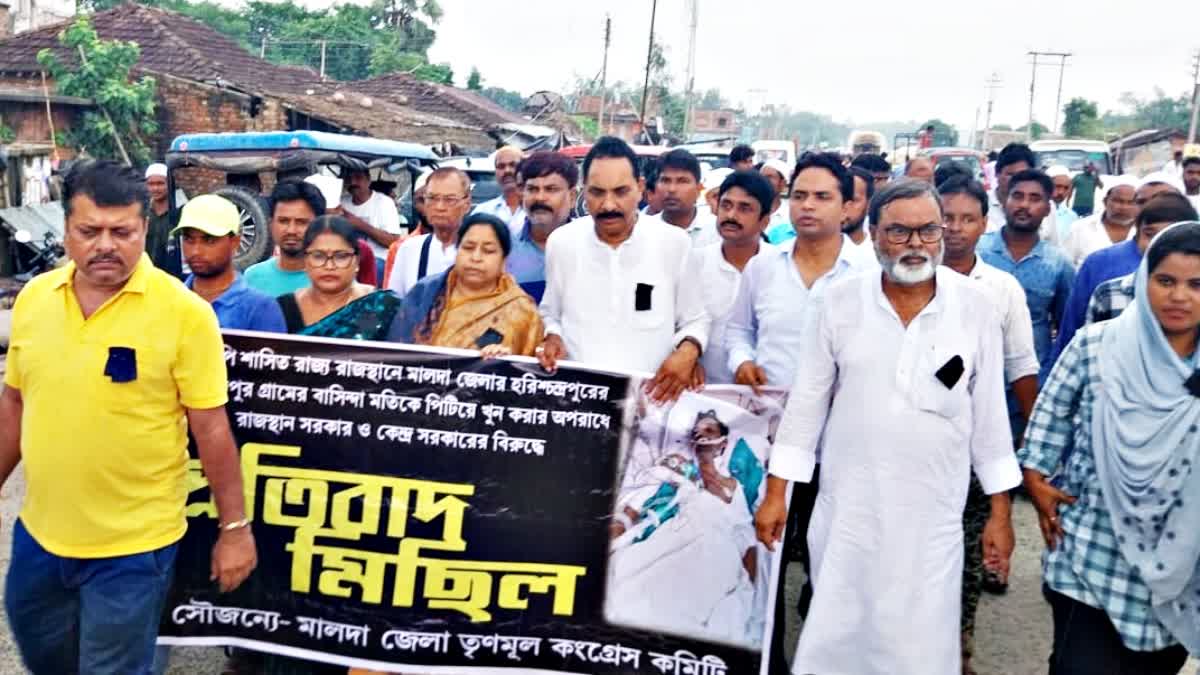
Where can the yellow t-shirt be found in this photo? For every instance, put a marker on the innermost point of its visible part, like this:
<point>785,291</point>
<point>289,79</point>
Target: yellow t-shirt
<point>106,461</point>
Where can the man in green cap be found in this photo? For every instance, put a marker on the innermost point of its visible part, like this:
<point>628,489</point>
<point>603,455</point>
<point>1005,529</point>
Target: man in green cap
<point>209,235</point>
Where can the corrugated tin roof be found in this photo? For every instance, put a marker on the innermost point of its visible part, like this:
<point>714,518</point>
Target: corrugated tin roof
<point>37,219</point>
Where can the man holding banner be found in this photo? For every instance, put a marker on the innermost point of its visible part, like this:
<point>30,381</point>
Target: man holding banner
<point>111,363</point>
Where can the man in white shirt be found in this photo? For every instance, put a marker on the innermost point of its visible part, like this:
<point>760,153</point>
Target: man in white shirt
<point>764,335</point>
<point>902,390</point>
<point>679,184</point>
<point>744,210</point>
<point>507,206</point>
<point>964,206</point>
<point>1112,225</point>
<point>447,200</point>
<point>1064,215</point>
<point>372,213</point>
<point>621,291</point>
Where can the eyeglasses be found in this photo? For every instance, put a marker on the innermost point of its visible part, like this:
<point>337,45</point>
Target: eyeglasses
<point>341,259</point>
<point>443,200</point>
<point>928,234</point>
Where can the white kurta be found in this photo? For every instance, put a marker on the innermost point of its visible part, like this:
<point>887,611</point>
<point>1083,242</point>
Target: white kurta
<point>899,446</point>
<point>1087,236</point>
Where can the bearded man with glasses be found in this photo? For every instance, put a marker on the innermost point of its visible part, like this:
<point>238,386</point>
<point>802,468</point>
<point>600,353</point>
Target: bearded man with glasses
<point>919,347</point>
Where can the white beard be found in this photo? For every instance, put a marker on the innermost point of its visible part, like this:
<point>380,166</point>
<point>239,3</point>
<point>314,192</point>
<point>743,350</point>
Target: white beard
<point>910,275</point>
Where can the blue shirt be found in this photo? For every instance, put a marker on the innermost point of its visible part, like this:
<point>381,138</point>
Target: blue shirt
<point>1107,263</point>
<point>243,308</point>
<point>1046,274</point>
<point>267,277</point>
<point>527,264</point>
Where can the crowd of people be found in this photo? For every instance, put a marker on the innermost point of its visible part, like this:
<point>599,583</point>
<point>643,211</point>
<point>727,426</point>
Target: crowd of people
<point>942,343</point>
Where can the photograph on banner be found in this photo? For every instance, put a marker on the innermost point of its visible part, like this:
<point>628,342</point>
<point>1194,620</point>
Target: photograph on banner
<point>684,557</point>
<point>428,511</point>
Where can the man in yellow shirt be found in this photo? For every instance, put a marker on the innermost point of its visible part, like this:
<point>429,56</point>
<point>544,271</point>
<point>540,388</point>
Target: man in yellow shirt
<point>111,362</point>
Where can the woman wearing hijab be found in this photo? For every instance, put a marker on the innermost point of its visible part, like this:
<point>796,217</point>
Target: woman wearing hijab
<point>1116,426</point>
<point>475,304</point>
<point>335,305</point>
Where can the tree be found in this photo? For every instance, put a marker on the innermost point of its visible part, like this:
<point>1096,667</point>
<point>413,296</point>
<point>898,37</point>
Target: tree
<point>360,40</point>
<point>475,80</point>
<point>510,100</point>
<point>1081,119</point>
<point>1039,129</point>
<point>1159,112</point>
<point>943,133</point>
<point>712,100</point>
<point>123,121</point>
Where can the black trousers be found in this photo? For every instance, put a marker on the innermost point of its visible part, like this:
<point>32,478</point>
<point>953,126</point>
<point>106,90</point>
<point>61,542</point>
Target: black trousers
<point>795,546</point>
<point>1086,643</point>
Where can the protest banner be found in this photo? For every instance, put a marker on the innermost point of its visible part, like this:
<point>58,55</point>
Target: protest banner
<point>425,511</point>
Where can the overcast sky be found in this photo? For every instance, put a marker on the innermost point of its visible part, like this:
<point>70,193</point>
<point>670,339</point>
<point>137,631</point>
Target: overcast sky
<point>856,61</point>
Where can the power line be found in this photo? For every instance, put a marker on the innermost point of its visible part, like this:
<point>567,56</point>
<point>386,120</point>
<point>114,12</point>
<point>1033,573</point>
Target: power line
<point>1195,96</point>
<point>1033,85</point>
<point>993,83</point>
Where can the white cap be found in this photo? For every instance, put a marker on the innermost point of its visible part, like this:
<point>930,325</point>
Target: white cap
<point>330,187</point>
<point>156,169</point>
<point>1057,171</point>
<point>1124,180</point>
<point>1162,177</point>
<point>779,165</point>
<point>715,177</point>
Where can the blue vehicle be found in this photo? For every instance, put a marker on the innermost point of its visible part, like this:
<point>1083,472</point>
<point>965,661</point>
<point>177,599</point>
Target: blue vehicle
<point>244,162</point>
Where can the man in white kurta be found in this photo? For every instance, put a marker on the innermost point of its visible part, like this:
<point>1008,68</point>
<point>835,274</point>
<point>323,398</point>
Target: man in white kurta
<point>898,446</point>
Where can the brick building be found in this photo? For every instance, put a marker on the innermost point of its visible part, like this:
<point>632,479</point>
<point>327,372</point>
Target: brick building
<point>716,122</point>
<point>208,83</point>
<point>620,119</point>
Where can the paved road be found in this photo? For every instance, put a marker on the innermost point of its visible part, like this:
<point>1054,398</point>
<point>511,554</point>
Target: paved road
<point>1013,630</point>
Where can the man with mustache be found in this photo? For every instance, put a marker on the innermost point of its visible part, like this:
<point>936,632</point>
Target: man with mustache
<point>507,206</point>
<point>1043,269</point>
<point>743,213</point>
<point>902,395</point>
<point>679,185</point>
<point>987,524</point>
<point>621,289</point>
<point>294,204</point>
<point>1113,225</point>
<point>112,365</point>
<point>548,182</point>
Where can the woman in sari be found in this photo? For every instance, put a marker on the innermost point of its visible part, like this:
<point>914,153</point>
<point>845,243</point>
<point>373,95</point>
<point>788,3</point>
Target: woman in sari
<point>1108,459</point>
<point>475,304</point>
<point>335,305</point>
